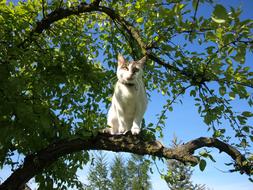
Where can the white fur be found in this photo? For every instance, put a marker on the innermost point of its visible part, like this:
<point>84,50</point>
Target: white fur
<point>129,100</point>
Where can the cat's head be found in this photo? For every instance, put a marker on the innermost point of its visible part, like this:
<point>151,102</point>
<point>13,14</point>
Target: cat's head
<point>129,72</point>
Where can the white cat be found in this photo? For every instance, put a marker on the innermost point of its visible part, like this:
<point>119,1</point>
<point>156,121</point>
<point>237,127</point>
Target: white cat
<point>129,100</point>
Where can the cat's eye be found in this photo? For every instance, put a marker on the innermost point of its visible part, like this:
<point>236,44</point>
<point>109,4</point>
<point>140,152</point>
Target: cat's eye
<point>135,70</point>
<point>125,68</point>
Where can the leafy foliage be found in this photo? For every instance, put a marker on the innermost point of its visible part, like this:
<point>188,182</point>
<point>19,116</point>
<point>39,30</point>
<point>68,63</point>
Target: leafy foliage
<point>56,79</point>
<point>54,178</point>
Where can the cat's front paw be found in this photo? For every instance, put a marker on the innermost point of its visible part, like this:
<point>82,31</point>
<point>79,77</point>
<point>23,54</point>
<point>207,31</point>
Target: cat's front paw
<point>121,130</point>
<point>135,130</point>
<point>108,130</point>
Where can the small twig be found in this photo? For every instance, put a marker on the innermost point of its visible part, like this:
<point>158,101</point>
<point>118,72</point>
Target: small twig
<point>224,80</point>
<point>195,12</point>
<point>164,4</point>
<point>223,171</point>
<point>221,102</point>
<point>158,168</point>
<point>170,103</point>
<point>129,38</point>
<point>60,4</point>
<point>43,8</point>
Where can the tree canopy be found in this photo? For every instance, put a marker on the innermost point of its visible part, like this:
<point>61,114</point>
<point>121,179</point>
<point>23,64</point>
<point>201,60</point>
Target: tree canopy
<point>57,71</point>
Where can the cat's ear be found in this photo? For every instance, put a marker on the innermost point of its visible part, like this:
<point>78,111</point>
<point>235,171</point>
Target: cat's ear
<point>142,61</point>
<point>121,60</point>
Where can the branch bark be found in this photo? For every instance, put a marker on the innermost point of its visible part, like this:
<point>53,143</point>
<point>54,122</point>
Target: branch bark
<point>35,163</point>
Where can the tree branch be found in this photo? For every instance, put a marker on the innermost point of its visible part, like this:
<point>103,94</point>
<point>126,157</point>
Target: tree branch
<point>43,8</point>
<point>35,163</point>
<point>57,15</point>
<point>195,12</point>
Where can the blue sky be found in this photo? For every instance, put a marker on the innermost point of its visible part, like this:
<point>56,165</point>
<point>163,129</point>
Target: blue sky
<point>186,124</point>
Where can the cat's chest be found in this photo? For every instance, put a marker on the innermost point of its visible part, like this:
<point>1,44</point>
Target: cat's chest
<point>128,94</point>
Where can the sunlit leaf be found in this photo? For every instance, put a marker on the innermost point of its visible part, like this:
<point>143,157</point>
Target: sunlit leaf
<point>139,20</point>
<point>219,14</point>
<point>202,165</point>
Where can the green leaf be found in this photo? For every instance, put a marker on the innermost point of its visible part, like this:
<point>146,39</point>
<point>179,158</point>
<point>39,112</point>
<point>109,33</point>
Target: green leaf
<point>212,37</point>
<point>219,21</point>
<point>247,114</point>
<point>232,95</point>
<point>242,119</point>
<point>222,90</point>
<point>139,20</point>
<point>244,143</point>
<point>204,153</point>
<point>202,165</point>
<point>217,134</point>
<point>219,14</point>
<point>193,93</point>
<point>138,5</point>
<point>211,158</point>
<point>246,129</point>
<point>240,56</point>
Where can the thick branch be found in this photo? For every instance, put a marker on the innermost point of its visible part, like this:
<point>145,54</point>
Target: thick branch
<point>221,146</point>
<point>35,163</point>
<point>57,15</point>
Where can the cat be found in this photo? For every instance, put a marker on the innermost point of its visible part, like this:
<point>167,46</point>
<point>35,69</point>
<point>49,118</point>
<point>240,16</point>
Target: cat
<point>129,101</point>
